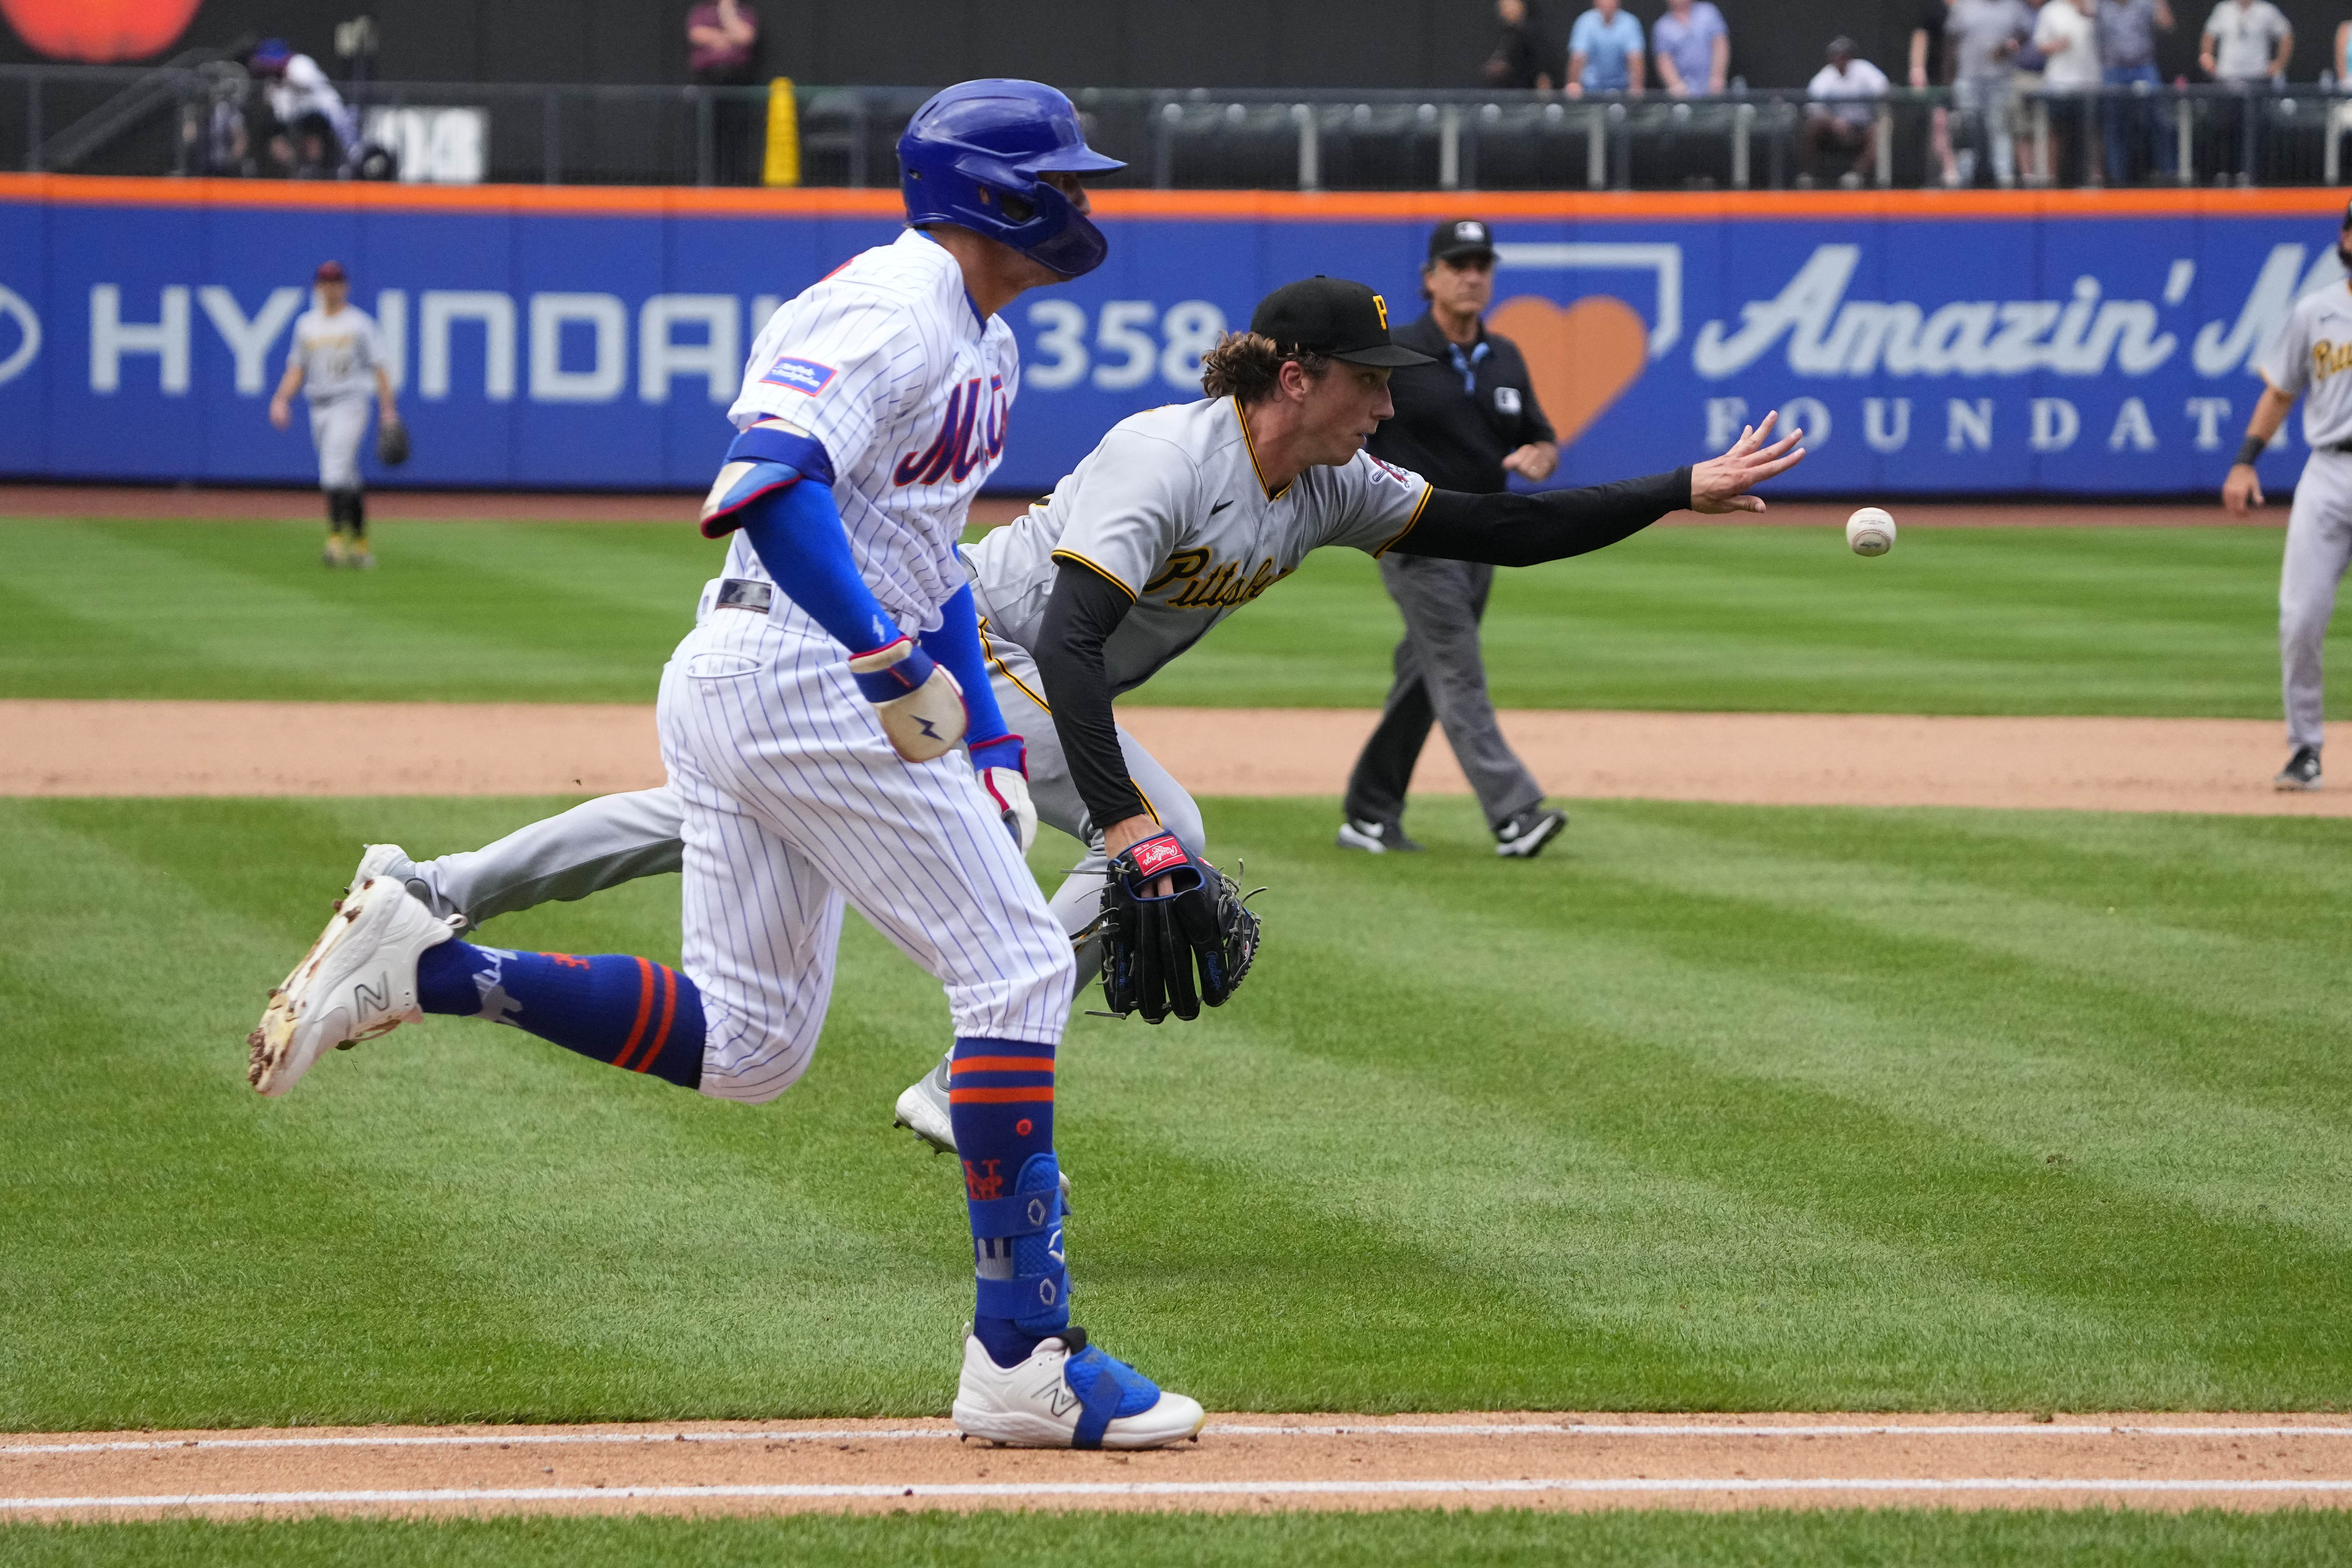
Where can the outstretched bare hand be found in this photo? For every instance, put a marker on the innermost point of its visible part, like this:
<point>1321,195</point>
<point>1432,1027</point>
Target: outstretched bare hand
<point>1721,484</point>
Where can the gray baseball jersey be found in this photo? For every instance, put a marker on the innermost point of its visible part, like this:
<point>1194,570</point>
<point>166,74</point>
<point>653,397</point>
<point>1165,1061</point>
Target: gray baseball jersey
<point>1170,509</point>
<point>338,354</point>
<point>2309,358</point>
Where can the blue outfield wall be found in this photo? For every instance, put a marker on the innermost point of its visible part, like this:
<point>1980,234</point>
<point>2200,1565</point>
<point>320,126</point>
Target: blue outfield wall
<point>1933,346</point>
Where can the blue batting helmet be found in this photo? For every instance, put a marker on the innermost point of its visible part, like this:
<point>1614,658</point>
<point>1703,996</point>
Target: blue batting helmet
<point>973,157</point>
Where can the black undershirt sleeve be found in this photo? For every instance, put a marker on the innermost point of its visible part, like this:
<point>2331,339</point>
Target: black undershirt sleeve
<point>1507,529</point>
<point>1084,609</point>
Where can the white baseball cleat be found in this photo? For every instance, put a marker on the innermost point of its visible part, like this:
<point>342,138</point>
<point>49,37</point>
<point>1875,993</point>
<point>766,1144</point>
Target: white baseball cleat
<point>1057,1399</point>
<point>357,981</point>
<point>922,1109</point>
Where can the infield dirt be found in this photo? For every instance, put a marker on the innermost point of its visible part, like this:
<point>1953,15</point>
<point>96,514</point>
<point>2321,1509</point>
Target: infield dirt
<point>1240,1463</point>
<point>2218,765</point>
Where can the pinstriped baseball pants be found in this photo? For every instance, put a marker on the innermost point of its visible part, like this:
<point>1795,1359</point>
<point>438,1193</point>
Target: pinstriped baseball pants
<point>795,805</point>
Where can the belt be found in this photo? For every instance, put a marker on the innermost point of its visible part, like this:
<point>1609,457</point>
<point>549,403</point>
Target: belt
<point>2340,447</point>
<point>743,593</point>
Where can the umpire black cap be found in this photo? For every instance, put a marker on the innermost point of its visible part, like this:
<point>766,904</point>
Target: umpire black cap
<point>1462,236</point>
<point>1334,317</point>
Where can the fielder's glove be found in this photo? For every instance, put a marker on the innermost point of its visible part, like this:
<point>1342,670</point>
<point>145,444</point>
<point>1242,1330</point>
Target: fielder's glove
<point>392,443</point>
<point>1152,943</point>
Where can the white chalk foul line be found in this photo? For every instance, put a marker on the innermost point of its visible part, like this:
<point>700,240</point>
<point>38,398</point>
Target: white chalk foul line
<point>1214,1429</point>
<point>1013,1492</point>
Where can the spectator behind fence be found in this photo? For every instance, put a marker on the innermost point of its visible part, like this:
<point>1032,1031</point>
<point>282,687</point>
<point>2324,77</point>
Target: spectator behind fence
<point>1604,51</point>
<point>723,45</point>
<point>1984,35</point>
<point>1517,62</point>
<point>314,133</point>
<point>2128,30</point>
<point>2246,44</point>
<point>2067,38</point>
<point>1931,66</point>
<point>1841,120</point>
<point>1694,48</point>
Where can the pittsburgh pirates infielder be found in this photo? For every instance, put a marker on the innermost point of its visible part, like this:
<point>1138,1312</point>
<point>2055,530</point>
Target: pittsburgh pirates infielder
<point>2310,356</point>
<point>1179,518</point>
<point>336,359</point>
<point>808,773</point>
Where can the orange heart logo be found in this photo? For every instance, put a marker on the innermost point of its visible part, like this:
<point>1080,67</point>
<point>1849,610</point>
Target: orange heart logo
<point>1581,359</point>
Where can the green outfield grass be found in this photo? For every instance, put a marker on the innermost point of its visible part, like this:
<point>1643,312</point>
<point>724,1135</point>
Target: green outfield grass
<point>2158,621</point>
<point>2092,1539</point>
<point>1711,1107</point>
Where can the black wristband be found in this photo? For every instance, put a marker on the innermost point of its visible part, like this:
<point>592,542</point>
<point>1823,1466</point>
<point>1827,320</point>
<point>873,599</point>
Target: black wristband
<point>2250,449</point>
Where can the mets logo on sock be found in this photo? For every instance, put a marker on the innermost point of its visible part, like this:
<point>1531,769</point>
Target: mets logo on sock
<point>965,441</point>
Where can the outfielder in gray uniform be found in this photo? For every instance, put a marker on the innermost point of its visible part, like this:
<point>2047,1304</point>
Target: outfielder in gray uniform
<point>2309,359</point>
<point>1181,517</point>
<point>336,360</point>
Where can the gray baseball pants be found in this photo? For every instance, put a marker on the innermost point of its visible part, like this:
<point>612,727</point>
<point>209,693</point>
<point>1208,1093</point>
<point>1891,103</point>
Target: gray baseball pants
<point>616,838</point>
<point>1441,677</point>
<point>2318,545</point>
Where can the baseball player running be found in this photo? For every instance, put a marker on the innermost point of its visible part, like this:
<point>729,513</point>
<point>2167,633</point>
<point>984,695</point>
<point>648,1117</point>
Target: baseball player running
<point>1179,518</point>
<point>2311,354</point>
<point>336,359</point>
<point>811,724</point>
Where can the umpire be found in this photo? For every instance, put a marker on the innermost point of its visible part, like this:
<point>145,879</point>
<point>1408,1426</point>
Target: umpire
<point>1464,422</point>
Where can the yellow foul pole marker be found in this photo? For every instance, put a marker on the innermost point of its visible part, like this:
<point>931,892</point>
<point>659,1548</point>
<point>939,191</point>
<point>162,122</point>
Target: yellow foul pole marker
<point>783,166</point>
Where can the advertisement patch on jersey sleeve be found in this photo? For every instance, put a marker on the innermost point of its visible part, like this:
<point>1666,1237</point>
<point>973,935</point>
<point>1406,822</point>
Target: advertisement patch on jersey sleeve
<point>1382,471</point>
<point>799,374</point>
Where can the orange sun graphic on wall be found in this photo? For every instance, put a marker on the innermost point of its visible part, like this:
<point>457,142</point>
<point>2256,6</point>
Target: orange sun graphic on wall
<point>99,30</point>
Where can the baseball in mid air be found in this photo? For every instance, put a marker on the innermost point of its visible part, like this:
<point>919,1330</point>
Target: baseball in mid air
<point>1870,531</point>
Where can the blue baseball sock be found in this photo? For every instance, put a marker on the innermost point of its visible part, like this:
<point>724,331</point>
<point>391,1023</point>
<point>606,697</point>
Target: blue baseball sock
<point>1001,1103</point>
<point>630,1012</point>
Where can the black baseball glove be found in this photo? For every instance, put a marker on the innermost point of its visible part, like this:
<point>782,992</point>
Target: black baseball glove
<point>1153,942</point>
<point>392,443</point>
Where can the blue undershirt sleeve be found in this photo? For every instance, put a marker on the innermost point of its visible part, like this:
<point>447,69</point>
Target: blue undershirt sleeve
<point>956,644</point>
<point>797,533</point>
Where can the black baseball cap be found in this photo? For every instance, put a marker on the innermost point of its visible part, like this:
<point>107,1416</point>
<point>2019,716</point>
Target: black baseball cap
<point>331,272</point>
<point>1332,316</point>
<point>1462,236</point>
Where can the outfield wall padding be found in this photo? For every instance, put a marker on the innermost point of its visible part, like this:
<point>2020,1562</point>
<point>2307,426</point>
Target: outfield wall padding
<point>1933,342</point>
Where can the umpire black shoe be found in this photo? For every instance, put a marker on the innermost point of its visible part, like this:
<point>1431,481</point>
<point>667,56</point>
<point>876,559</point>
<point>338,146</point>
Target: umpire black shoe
<point>2302,770</point>
<point>1374,838</point>
<point>1524,837</point>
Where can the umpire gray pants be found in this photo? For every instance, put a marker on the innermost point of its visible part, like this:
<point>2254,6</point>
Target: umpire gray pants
<point>2319,544</point>
<point>1441,677</point>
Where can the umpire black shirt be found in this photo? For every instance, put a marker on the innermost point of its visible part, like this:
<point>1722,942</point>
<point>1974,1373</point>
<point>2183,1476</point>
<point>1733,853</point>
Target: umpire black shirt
<point>1452,434</point>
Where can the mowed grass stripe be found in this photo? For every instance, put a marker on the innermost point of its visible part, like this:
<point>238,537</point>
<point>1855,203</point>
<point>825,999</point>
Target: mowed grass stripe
<point>2126,621</point>
<point>1579,1133</point>
<point>1420,1538</point>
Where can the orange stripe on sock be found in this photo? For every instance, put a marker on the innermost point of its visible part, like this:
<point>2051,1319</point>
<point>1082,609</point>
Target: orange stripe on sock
<point>1000,1064</point>
<point>669,1013</point>
<point>999,1096</point>
<point>645,1011</point>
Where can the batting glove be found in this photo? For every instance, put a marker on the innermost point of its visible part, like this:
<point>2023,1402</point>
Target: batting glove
<point>1002,766</point>
<point>918,702</point>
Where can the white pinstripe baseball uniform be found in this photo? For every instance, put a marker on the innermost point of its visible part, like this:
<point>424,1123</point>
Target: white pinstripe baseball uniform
<point>794,800</point>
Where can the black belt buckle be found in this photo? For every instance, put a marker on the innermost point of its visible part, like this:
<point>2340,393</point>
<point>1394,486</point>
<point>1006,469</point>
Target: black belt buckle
<point>743,593</point>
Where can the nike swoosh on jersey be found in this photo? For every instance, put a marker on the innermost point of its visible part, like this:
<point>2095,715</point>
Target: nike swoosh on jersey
<point>1218,507</point>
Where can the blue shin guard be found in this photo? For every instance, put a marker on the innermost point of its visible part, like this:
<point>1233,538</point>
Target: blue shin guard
<point>1023,1285</point>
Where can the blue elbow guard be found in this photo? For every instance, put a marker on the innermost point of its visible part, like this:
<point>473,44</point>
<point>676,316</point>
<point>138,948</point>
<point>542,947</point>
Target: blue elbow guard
<point>761,460</point>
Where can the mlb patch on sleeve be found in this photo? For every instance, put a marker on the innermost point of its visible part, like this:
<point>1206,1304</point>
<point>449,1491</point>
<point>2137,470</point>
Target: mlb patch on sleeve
<point>799,374</point>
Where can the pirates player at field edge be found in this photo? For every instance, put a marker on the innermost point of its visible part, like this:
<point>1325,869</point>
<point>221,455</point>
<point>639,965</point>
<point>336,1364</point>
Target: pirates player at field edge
<point>336,360</point>
<point>2308,359</point>
<point>1181,516</point>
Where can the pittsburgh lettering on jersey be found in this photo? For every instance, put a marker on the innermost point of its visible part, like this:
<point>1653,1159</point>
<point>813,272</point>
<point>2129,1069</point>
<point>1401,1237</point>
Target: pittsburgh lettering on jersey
<point>964,442</point>
<point>1211,588</point>
<point>2327,358</point>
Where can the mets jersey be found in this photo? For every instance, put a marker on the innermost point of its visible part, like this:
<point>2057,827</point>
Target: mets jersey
<point>1170,509</point>
<point>338,354</point>
<point>889,365</point>
<point>2310,357</point>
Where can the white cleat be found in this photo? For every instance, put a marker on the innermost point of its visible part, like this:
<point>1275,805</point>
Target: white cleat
<point>357,981</point>
<point>923,1110</point>
<point>1036,1405</point>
